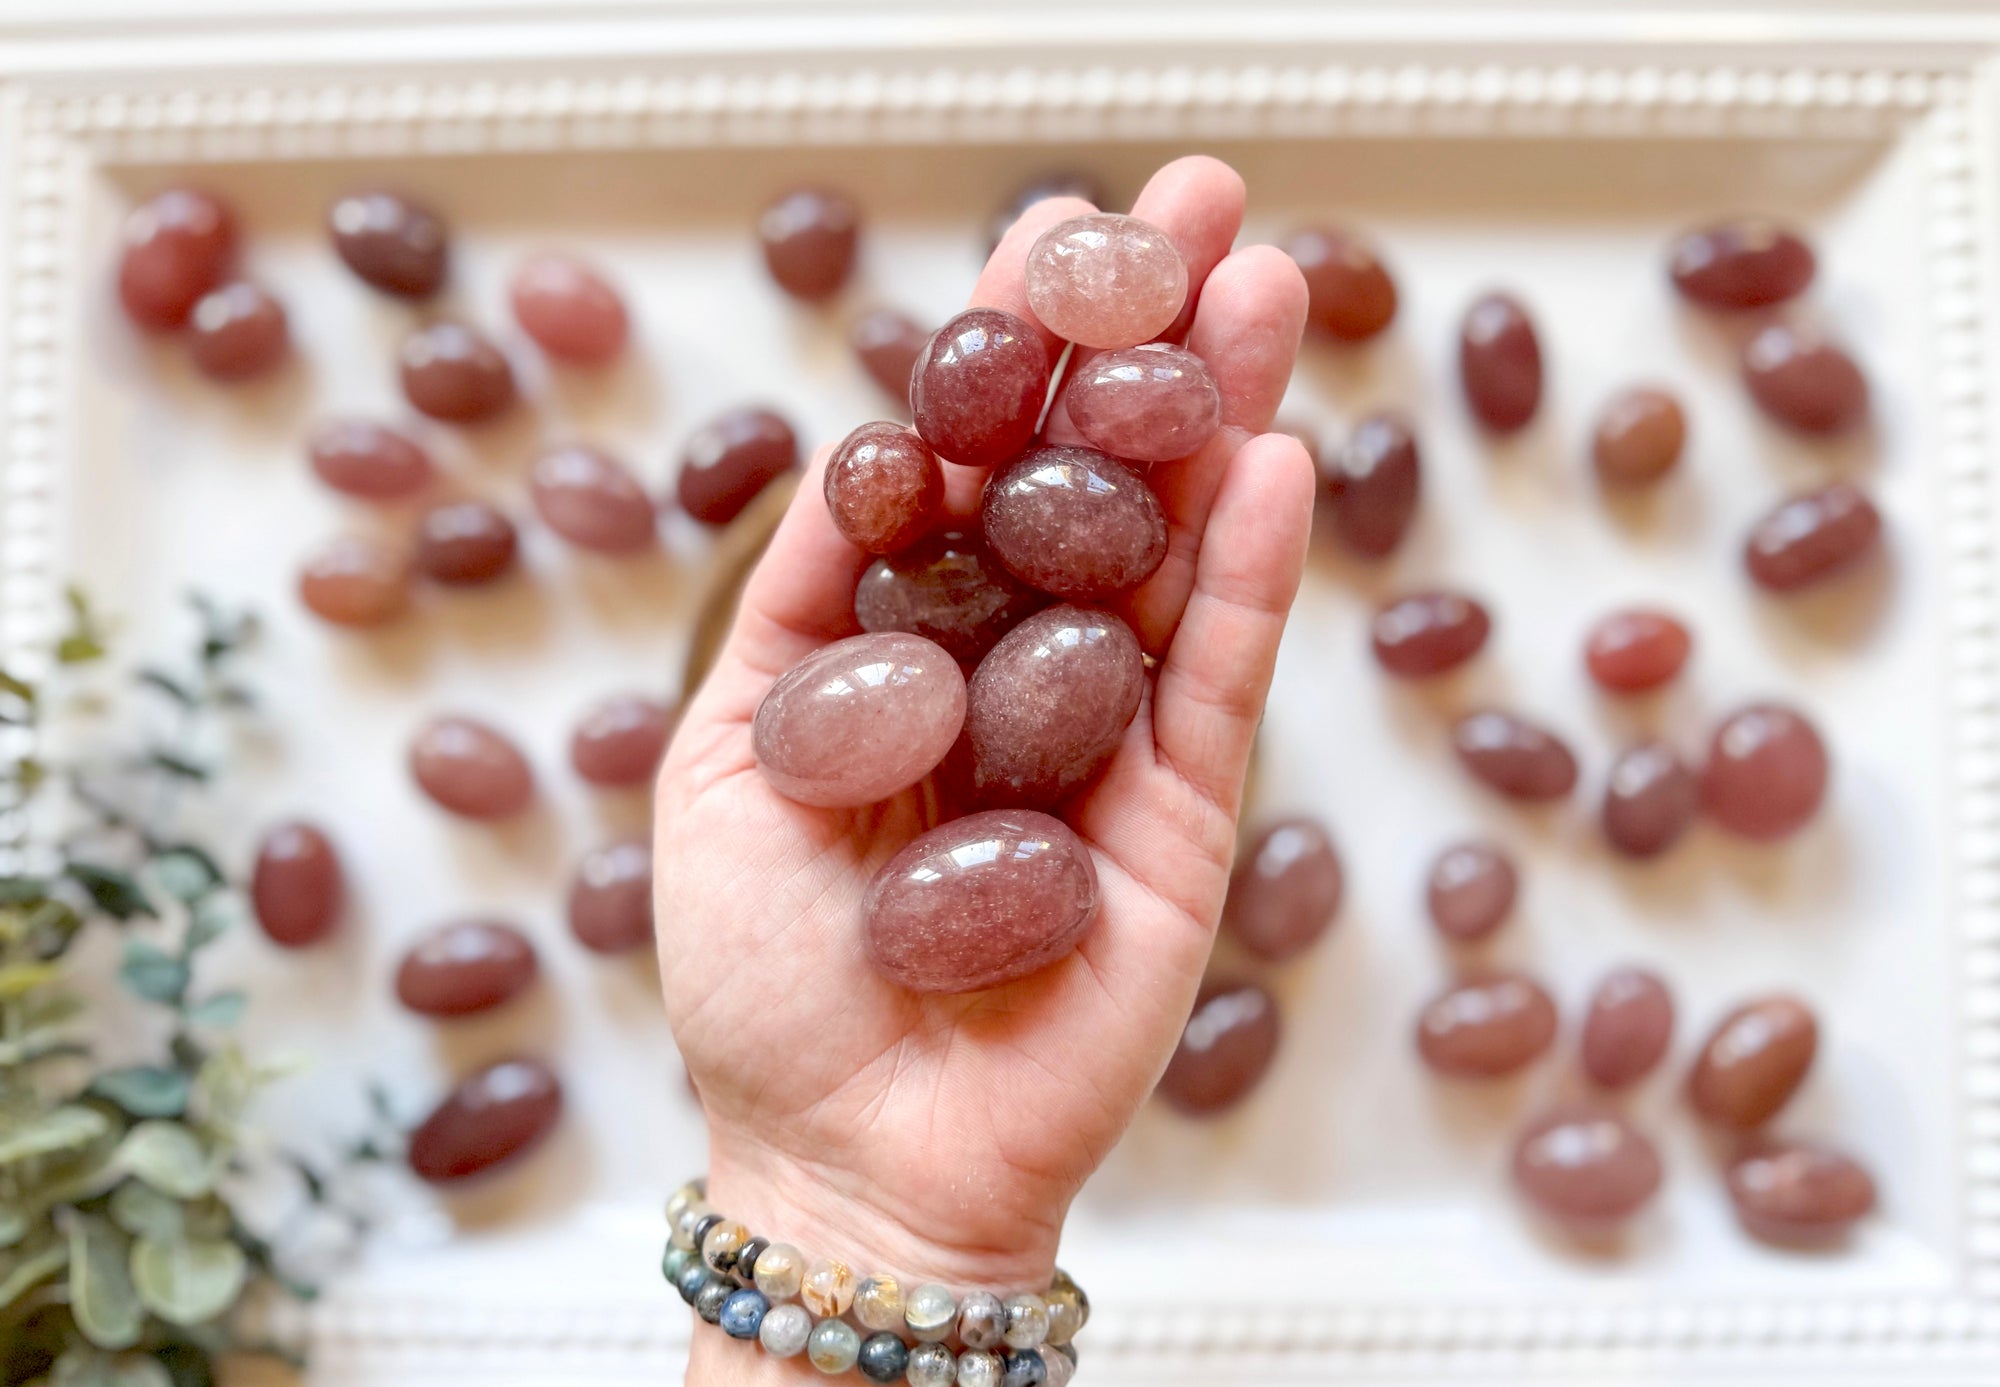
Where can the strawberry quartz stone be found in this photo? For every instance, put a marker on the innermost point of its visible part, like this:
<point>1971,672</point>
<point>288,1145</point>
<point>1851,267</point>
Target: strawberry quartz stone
<point>1106,280</point>
<point>978,389</point>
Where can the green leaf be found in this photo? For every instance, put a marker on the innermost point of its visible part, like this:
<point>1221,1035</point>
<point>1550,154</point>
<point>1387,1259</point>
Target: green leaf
<point>186,875</point>
<point>30,774</point>
<point>221,1011</point>
<point>101,1295</point>
<point>177,765</point>
<point>13,1225</point>
<point>168,1157</point>
<point>151,972</point>
<point>85,639</point>
<point>19,979</point>
<point>155,678</point>
<point>144,1212</point>
<point>144,1090</point>
<point>212,916</point>
<point>114,891</point>
<point>22,890</point>
<point>86,1367</point>
<point>79,649</point>
<point>21,1274</point>
<point>19,688</point>
<point>186,1282</point>
<point>58,1129</point>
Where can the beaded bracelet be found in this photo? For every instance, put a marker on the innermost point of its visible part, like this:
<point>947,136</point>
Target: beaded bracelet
<point>745,1284</point>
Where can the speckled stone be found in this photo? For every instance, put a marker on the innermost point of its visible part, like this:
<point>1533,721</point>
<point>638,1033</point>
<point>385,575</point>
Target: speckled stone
<point>978,388</point>
<point>1049,704</point>
<point>833,1346</point>
<point>930,1312</point>
<point>674,1262</point>
<point>743,1314</point>
<point>931,1365</point>
<point>979,1369</point>
<point>684,1226</point>
<point>883,1358</point>
<point>1023,1368</point>
<point>982,1320</point>
<point>1106,280</point>
<point>948,588</point>
<point>1027,1320</point>
<point>713,1295</point>
<point>693,1276</point>
<point>1148,403</point>
<point>884,487</point>
<point>722,1245</point>
<point>1074,523</point>
<point>828,1288</point>
<point>878,1303</point>
<point>785,1330</point>
<point>780,1271</point>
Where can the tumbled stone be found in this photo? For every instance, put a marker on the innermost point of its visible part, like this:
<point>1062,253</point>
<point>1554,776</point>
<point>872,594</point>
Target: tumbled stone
<point>1148,403</point>
<point>1627,1028</point>
<point>464,967</point>
<point>887,344</point>
<point>1650,800</point>
<point>569,309</point>
<point>464,543</point>
<point>471,768</point>
<point>809,237</point>
<point>884,488</point>
<point>1639,437</point>
<point>947,588</point>
<point>1767,772</point>
<point>1106,280</point>
<point>1754,1061</point>
<point>1803,379</point>
<point>1429,633</point>
<point>1487,1027</point>
<point>1049,704</point>
<point>1798,1195</point>
<point>1225,1049</point>
<point>610,906</point>
<point>1373,481</point>
<point>297,885</point>
<point>592,500</point>
<point>1285,890</point>
<point>1500,363</point>
<point>493,1116</point>
<point>1586,1165</point>
<point>178,245</point>
<point>1747,262</point>
<point>368,460</point>
<point>356,581</point>
<point>390,241</point>
<point>1633,650</point>
<point>237,331</point>
<point>452,372</point>
<point>1811,537</point>
<point>732,458</point>
<point>1515,757</point>
<point>1470,890</point>
<point>978,389</point>
<point>619,740</point>
<point>1350,295</point>
<point>1074,523</point>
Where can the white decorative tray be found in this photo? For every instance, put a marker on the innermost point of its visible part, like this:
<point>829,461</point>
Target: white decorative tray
<point>1350,1223</point>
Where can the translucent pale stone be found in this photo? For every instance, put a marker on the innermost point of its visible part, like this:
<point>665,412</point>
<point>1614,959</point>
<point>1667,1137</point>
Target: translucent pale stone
<point>1285,890</point>
<point>1811,537</point>
<point>982,1320</point>
<point>1639,437</point>
<point>887,344</point>
<point>858,720</point>
<point>1058,1370</point>
<point>368,460</point>
<point>1649,801</point>
<point>931,1365</point>
<point>1794,1194</point>
<point>1145,404</point>
<point>356,581</point>
<point>878,1303</point>
<point>978,388</point>
<point>730,459</point>
<point>691,1216</point>
<point>296,886</point>
<point>1471,890</point>
<point>619,740</point>
<point>1105,280</point>
<point>1225,1049</point>
<point>1747,262</point>
<point>1802,379</point>
<point>464,967</point>
<point>1069,1309</point>
<point>722,1244</point>
<point>494,1115</point>
<point>980,901</point>
<point>592,500</point>
<point>1636,649</point>
<point>828,1288</point>
<point>178,245</point>
<point>237,331</point>
<point>947,588</point>
<point>1350,294</point>
<point>979,1369</point>
<point>1487,1027</point>
<point>931,1312</point>
<point>1766,774</point>
<point>1023,1367</point>
<point>833,1346</point>
<point>1027,1320</point>
<point>1515,757</point>
<point>452,372</point>
<point>809,237</point>
<point>569,309</point>
<point>1074,522</point>
<point>1627,1028</point>
<point>1753,1062</point>
<point>1586,1165</point>
<point>785,1330</point>
<point>1373,481</point>
<point>1428,633</point>
<point>781,1270</point>
<point>1049,704</point>
<point>471,768</point>
<point>392,242</point>
<point>464,543</point>
<point>884,488</point>
<point>1500,363</point>
<point>611,898</point>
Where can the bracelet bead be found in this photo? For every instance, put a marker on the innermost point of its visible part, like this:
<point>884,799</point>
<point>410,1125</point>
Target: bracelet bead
<point>833,1346</point>
<point>674,1263</point>
<point>982,1320</point>
<point>828,1288</point>
<point>978,1368</point>
<point>883,1358</point>
<point>705,1221</point>
<point>746,1261</point>
<point>785,1330</point>
<point>931,1365</point>
<point>713,1295</point>
<point>1069,1308</point>
<point>781,1269</point>
<point>743,1314</point>
<point>693,1277</point>
<point>683,1229</point>
<point>722,1245</point>
<point>1058,1367</point>
<point>930,1312</point>
<point>679,1200</point>
<point>1027,1321</point>
<point>1024,1368</point>
<point>878,1303</point>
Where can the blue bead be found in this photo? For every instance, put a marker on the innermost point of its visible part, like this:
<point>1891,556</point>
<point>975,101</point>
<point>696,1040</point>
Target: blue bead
<point>693,1277</point>
<point>1024,1369</point>
<point>883,1358</point>
<point>743,1314</point>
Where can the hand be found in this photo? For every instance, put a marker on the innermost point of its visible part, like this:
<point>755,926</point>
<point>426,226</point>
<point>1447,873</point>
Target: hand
<point>943,1137</point>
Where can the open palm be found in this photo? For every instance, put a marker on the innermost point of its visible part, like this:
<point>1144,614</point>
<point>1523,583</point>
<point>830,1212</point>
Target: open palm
<point>944,1136</point>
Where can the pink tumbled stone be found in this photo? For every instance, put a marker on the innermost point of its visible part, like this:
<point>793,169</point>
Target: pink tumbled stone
<point>860,719</point>
<point>368,460</point>
<point>1074,523</point>
<point>887,344</point>
<point>619,740</point>
<point>732,458</point>
<point>978,388</point>
<point>570,309</point>
<point>1047,706</point>
<point>611,898</point>
<point>237,331</point>
<point>980,901</point>
<point>884,488</point>
<point>453,372</point>
<point>592,500</point>
<point>471,768</point>
<point>1106,280</point>
<point>948,589</point>
<point>356,581</point>
<point>1145,404</point>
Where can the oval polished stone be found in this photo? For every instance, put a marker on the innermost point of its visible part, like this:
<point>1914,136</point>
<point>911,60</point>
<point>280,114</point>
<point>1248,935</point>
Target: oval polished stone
<point>464,967</point>
<point>1428,633</point>
<point>611,898</point>
<point>178,245</point>
<point>1486,1027</point>
<point>392,242</point>
<point>1285,890</point>
<point>355,581</point>
<point>884,488</point>
<point>857,720</point>
<point>1350,295</point>
<point>887,344</point>
<point>1471,890</point>
<point>1586,1166</point>
<point>1799,1195</point>
<point>1513,756</point>
<point>368,460</point>
<point>237,331</point>
<point>978,388</point>
<point>1649,801</point>
<point>297,886</point>
<point>471,768</point>
<point>1636,649</point>
<point>1074,523</point>
<point>1374,481</point>
<point>1049,704</point>
<point>1639,437</point>
<point>1627,1028</point>
<point>809,237</point>
<point>494,1115</point>
<point>1150,403</point>
<point>1811,537</point>
<point>569,309</point>
<point>1106,280</point>
<point>464,543</point>
<point>1802,379</point>
<point>980,901</point>
<point>1225,1049</point>
<point>452,372</point>
<point>1500,363</point>
<point>1753,1062</point>
<point>1766,774</point>
<point>619,740</point>
<point>732,458</point>
<point>1745,262</point>
<point>592,500</point>
<point>947,588</point>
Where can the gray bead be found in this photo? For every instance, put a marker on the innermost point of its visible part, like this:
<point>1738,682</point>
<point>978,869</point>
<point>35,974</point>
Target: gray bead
<point>713,1295</point>
<point>833,1346</point>
<point>976,1369</point>
<point>931,1365</point>
<point>982,1320</point>
<point>1027,1321</point>
<point>883,1358</point>
<point>1057,1366</point>
<point>783,1333</point>
<point>1024,1369</point>
<point>693,1277</point>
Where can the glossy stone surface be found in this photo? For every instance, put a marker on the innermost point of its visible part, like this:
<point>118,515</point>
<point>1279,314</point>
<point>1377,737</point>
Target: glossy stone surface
<point>1802,379</point>
<point>1106,280</point>
<point>1225,1049</point>
<point>237,331</point>
<point>887,344</point>
<point>883,1358</point>
<point>178,245</point>
<point>1074,523</point>
<point>1500,363</point>
<point>980,901</point>
<point>464,543</point>
<point>1650,800</point>
<point>1148,403</point>
<point>1023,1368</point>
<point>1811,537</point>
<point>611,898</point>
<point>931,1312</point>
<point>1027,1321</point>
<point>721,1246</point>
<point>392,242</point>
<point>693,1278</point>
<point>713,1295</point>
<point>1753,1062</point>
<point>1069,1308</point>
<point>979,1369</point>
<point>1049,704</point>
<point>1639,437</point>
<point>494,1115</point>
<point>781,1270</point>
<point>982,1320</point>
<point>1374,480</point>
<point>296,885</point>
<point>619,740</point>
<point>355,581</point>
<point>1766,774</point>
<point>784,1330</point>
<point>1586,1165</point>
<point>731,458</point>
<point>569,309</point>
<point>1350,295</point>
<point>453,372</point>
<point>828,1288</point>
<point>464,967</point>
<point>809,237</point>
<point>884,488</point>
<point>368,460</point>
<point>1627,1027</point>
<point>1057,1370</point>
<point>947,588</point>
<point>1794,1194</point>
<point>978,388</point>
<point>1517,758</point>
<point>471,768</point>
<point>1487,1027</point>
<point>833,1346</point>
<point>1285,890</point>
<point>878,1303</point>
<point>592,500</point>
<point>1428,633</point>
<point>1636,649</point>
<point>1471,890</point>
<point>1745,262</point>
<point>743,1314</point>
<point>931,1365</point>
